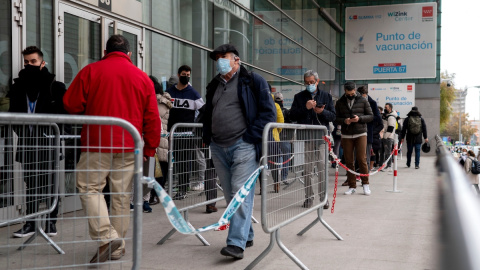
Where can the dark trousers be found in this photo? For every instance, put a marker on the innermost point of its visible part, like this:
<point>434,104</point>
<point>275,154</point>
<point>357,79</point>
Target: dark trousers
<point>183,157</point>
<point>210,181</point>
<point>417,153</point>
<point>39,178</point>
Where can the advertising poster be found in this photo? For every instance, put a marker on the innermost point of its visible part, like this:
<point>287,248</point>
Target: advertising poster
<point>400,95</point>
<point>391,42</point>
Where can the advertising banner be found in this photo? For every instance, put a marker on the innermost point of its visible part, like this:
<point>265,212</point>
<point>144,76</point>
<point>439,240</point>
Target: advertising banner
<point>391,42</point>
<point>400,95</point>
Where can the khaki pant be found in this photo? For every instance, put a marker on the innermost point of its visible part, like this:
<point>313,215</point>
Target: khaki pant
<point>93,170</point>
<point>358,146</point>
<point>314,156</point>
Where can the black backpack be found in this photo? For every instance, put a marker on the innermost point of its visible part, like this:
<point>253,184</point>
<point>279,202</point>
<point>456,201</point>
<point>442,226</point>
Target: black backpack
<point>475,166</point>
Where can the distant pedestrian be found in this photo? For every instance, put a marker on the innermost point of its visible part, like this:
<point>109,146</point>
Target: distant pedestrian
<point>114,87</point>
<point>389,126</point>
<point>414,128</point>
<point>239,106</point>
<point>468,169</point>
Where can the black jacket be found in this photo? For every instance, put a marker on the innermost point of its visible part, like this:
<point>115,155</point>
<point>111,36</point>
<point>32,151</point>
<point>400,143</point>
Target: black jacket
<point>413,138</point>
<point>377,121</point>
<point>300,114</point>
<point>49,101</point>
<point>361,108</point>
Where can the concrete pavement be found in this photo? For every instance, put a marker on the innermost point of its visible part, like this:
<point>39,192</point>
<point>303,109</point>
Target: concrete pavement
<point>383,231</point>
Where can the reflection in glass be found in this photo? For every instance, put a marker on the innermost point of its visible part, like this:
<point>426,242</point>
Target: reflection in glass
<point>39,14</point>
<point>81,46</point>
<point>5,53</point>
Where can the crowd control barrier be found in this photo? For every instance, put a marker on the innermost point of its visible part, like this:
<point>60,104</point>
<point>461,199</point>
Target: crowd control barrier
<point>460,214</point>
<point>284,146</point>
<point>43,165</point>
<point>192,181</point>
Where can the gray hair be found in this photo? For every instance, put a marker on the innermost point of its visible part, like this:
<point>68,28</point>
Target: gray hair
<point>310,73</point>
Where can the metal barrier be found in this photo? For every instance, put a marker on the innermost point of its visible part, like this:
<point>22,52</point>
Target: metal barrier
<point>288,149</point>
<point>460,215</point>
<point>192,181</point>
<point>36,155</point>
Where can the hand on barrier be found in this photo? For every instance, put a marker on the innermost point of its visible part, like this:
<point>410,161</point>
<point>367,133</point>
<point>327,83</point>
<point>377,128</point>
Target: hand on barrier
<point>184,227</point>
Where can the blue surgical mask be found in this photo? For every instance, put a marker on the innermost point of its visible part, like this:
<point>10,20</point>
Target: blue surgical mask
<point>311,88</point>
<point>223,66</point>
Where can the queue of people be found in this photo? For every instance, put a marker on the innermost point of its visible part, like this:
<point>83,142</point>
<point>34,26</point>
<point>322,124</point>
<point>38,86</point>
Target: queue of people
<point>238,105</point>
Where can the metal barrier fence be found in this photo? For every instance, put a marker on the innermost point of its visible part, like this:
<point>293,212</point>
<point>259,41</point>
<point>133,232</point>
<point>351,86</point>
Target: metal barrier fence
<point>192,181</point>
<point>287,150</point>
<point>460,215</point>
<point>36,153</point>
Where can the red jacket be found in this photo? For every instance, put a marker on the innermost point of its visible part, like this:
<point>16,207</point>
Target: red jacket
<point>115,87</point>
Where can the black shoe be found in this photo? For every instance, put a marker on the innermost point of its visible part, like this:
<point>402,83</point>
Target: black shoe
<point>180,196</point>
<point>27,230</point>
<point>211,208</point>
<point>249,244</point>
<point>232,251</point>
<point>416,167</point>
<point>50,229</point>
<point>307,203</point>
<point>327,205</point>
<point>154,200</point>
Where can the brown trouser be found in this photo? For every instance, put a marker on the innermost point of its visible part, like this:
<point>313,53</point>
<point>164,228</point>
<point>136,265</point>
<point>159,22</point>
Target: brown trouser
<point>93,168</point>
<point>358,146</point>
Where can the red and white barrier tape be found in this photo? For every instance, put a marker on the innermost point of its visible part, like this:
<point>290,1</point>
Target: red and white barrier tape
<point>281,163</point>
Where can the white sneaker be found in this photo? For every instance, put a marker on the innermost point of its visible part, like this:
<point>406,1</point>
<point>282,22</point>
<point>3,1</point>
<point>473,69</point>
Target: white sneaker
<point>350,191</point>
<point>198,187</point>
<point>366,190</point>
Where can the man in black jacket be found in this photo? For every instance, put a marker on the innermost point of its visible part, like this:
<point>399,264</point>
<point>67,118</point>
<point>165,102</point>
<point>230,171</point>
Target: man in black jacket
<point>36,91</point>
<point>414,126</point>
<point>313,106</point>
<point>353,113</point>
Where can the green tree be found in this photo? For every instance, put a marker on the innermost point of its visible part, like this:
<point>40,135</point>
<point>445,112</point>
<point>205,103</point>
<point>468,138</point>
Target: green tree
<point>447,96</point>
<point>452,127</point>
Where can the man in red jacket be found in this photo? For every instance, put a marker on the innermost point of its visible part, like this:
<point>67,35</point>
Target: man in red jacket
<point>113,87</point>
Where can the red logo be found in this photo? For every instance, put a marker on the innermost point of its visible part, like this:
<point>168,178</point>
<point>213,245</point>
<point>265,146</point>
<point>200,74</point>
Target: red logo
<point>427,11</point>
<point>355,17</point>
<point>409,87</point>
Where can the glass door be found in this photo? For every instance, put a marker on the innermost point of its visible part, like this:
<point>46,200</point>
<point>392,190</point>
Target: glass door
<point>80,43</point>
<point>132,34</point>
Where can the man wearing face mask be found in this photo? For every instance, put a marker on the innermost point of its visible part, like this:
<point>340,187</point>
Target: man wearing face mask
<point>313,107</point>
<point>353,113</point>
<point>238,107</point>
<point>186,101</point>
<point>35,91</point>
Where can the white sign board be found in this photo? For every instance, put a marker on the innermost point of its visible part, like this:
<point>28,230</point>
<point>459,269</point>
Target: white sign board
<point>400,95</point>
<point>391,42</point>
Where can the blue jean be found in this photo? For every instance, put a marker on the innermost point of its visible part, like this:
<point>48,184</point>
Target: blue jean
<point>286,148</point>
<point>417,153</point>
<point>234,164</point>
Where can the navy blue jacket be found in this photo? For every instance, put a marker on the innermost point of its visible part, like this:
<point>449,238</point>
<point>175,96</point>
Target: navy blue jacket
<point>301,115</point>
<point>377,120</point>
<point>257,107</point>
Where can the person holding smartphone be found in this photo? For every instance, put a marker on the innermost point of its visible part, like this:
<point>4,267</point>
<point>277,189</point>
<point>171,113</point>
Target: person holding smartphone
<point>313,106</point>
<point>353,113</point>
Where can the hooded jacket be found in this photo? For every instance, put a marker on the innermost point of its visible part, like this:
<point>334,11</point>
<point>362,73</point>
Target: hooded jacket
<point>389,124</point>
<point>413,138</point>
<point>185,103</point>
<point>115,87</point>
<point>372,127</point>
<point>361,108</point>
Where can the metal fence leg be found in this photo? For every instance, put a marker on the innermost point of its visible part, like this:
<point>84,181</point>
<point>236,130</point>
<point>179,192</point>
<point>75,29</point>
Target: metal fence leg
<point>288,252</point>
<point>319,218</point>
<point>264,253</point>
<point>39,231</point>
<point>166,237</point>
<point>254,220</point>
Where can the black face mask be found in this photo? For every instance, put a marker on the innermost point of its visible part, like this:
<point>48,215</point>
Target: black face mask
<point>350,97</point>
<point>184,80</point>
<point>31,72</point>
